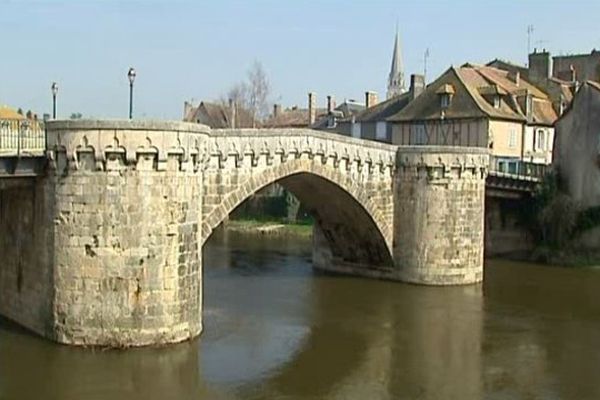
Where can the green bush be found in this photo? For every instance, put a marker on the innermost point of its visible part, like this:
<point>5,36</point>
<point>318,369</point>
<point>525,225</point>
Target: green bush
<point>553,217</point>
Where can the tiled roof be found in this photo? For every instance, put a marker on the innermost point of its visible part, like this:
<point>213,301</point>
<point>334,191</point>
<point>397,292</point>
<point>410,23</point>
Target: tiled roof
<point>472,83</point>
<point>383,110</point>
<point>427,105</point>
<point>543,112</point>
<point>509,66</point>
<point>9,113</point>
<point>292,118</point>
<point>218,116</point>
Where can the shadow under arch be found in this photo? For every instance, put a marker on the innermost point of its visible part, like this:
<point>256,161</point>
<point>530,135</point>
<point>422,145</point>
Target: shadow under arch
<point>348,221</point>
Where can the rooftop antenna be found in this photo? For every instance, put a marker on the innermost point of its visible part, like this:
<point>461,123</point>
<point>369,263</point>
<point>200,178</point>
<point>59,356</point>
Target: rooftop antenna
<point>425,58</point>
<point>539,43</point>
<point>530,30</point>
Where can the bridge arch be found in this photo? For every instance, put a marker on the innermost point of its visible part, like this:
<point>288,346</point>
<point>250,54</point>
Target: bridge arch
<point>348,216</point>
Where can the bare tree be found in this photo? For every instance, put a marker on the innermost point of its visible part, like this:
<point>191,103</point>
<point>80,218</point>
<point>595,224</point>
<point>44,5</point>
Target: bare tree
<point>253,93</point>
<point>238,94</point>
<point>258,91</point>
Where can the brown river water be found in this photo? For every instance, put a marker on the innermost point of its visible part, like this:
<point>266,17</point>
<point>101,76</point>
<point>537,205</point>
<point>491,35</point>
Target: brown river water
<point>275,329</point>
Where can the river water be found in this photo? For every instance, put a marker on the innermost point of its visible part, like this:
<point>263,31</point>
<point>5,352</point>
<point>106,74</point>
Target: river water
<point>274,329</point>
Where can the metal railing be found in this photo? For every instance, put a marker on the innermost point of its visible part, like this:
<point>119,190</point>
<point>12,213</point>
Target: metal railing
<point>22,137</point>
<point>518,169</point>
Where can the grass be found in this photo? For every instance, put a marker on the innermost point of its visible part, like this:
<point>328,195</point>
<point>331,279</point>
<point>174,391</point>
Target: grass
<point>270,226</point>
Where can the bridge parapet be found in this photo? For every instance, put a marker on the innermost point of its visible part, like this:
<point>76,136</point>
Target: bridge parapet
<point>252,147</point>
<point>107,145</point>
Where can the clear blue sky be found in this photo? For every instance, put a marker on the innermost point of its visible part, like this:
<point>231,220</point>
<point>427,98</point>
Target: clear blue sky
<point>185,49</point>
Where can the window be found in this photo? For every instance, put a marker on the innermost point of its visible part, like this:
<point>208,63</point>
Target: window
<point>512,139</point>
<point>445,100</point>
<point>496,101</point>
<point>541,140</point>
<point>420,136</point>
<point>381,130</point>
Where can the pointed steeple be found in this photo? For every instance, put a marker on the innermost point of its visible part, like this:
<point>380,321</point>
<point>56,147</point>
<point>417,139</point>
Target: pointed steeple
<point>396,83</point>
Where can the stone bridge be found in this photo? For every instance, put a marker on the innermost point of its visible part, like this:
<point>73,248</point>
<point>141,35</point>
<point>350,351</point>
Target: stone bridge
<point>104,246</point>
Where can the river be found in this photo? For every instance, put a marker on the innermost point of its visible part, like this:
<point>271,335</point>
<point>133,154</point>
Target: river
<point>275,329</point>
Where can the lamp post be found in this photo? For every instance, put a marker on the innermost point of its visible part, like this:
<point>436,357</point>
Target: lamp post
<point>131,77</point>
<point>54,89</point>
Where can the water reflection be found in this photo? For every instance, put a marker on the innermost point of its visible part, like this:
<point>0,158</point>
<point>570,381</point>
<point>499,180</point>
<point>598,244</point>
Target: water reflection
<point>274,329</point>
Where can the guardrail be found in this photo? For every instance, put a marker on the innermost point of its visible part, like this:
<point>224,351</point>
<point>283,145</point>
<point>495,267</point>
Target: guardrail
<point>21,137</point>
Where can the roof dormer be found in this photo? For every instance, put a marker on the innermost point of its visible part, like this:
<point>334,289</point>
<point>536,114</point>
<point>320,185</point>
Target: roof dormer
<point>445,93</point>
<point>492,94</point>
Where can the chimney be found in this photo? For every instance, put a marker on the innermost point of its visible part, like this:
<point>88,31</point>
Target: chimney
<point>330,104</point>
<point>312,108</point>
<point>515,76</point>
<point>539,66</point>
<point>417,85</point>
<point>232,112</point>
<point>276,110</point>
<point>370,99</point>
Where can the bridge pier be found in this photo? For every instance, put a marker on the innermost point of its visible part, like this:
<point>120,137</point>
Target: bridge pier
<point>439,195</point>
<point>106,247</point>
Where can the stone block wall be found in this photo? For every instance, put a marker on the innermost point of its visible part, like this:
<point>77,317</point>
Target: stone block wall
<point>127,215</point>
<point>439,215</point>
<point>26,267</point>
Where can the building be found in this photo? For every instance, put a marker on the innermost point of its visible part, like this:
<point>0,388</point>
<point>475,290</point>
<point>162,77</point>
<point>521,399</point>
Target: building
<point>559,91</point>
<point>330,120</point>
<point>371,123</point>
<point>313,117</point>
<point>396,84</point>
<point>577,154</point>
<point>9,114</point>
<point>219,116</point>
<point>579,67</point>
<point>292,117</point>
<point>481,106</point>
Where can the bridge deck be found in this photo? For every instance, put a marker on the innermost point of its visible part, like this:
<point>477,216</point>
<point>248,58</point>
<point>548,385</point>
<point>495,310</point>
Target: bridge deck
<point>23,148</point>
<point>22,151</point>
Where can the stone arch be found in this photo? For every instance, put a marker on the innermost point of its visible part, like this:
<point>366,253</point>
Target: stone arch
<point>298,172</point>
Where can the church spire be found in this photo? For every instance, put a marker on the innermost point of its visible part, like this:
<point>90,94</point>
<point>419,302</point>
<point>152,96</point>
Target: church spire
<point>396,84</point>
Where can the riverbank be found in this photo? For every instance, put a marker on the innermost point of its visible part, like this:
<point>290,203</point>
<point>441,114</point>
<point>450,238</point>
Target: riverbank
<point>566,257</point>
<point>269,227</point>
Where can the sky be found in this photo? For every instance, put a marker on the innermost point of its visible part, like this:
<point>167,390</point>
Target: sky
<point>185,50</point>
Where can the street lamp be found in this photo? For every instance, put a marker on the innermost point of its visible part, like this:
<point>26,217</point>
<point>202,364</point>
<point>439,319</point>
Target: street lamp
<point>131,77</point>
<point>54,89</point>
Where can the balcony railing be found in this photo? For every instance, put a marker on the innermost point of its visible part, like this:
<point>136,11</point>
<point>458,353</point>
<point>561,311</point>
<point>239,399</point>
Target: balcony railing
<point>22,137</point>
<point>519,169</point>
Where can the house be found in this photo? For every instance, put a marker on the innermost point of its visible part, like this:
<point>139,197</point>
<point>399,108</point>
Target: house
<point>481,106</point>
<point>580,67</point>
<point>219,116</point>
<point>550,77</point>
<point>9,114</point>
<point>295,117</point>
<point>577,146</point>
<point>330,121</point>
<point>371,123</point>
